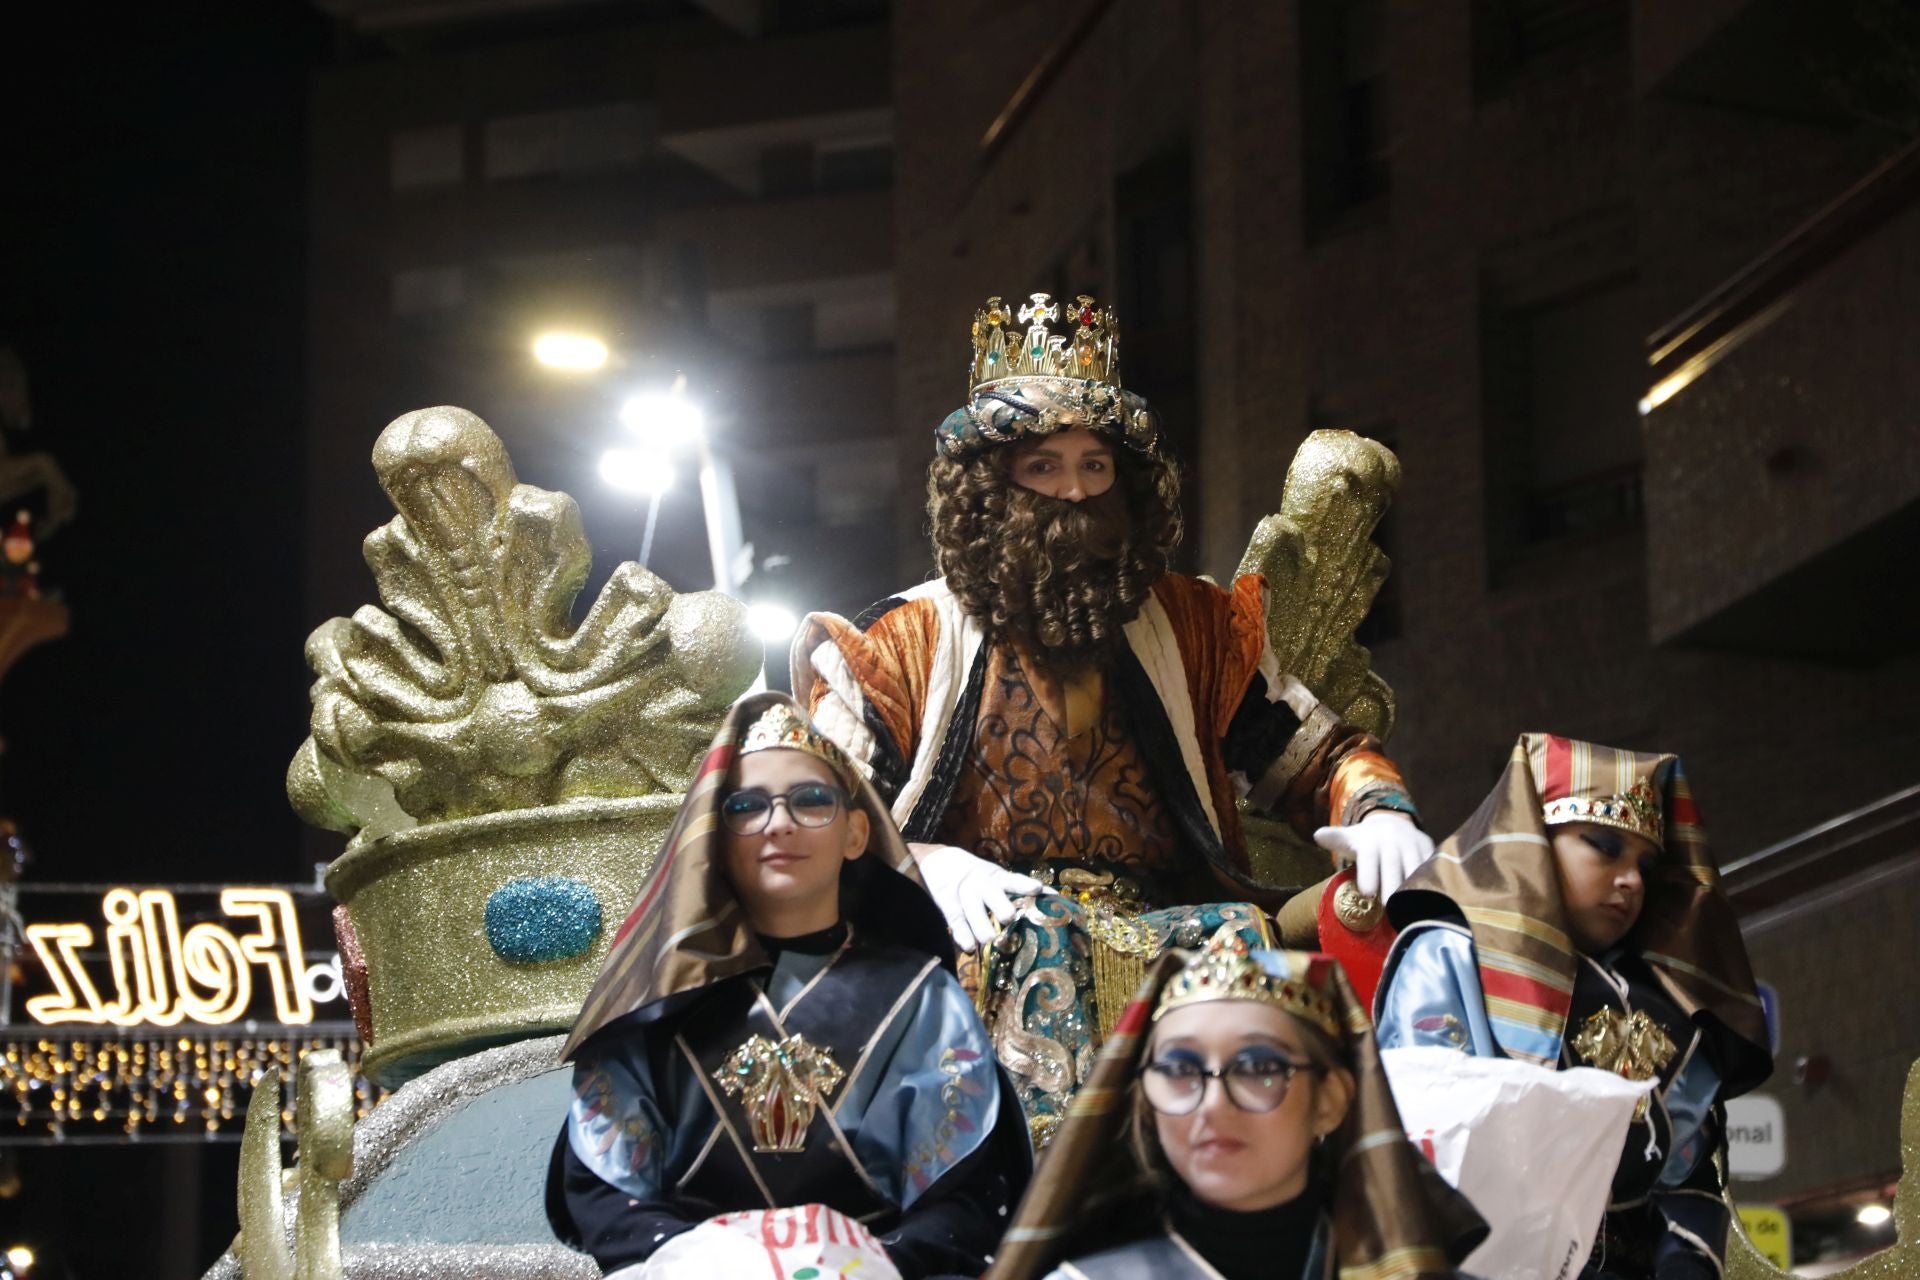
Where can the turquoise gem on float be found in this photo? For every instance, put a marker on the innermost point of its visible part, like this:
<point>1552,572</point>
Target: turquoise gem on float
<point>536,919</point>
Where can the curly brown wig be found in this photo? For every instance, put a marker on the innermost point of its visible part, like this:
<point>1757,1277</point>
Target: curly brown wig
<point>1066,576</point>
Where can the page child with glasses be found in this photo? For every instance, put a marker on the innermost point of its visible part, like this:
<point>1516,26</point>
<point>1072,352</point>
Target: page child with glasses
<point>776,1054</point>
<point>1237,1125</point>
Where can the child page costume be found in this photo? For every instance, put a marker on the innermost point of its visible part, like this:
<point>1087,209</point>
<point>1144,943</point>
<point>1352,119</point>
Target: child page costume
<point>1484,964</point>
<point>717,1071</point>
<point>1373,1206</point>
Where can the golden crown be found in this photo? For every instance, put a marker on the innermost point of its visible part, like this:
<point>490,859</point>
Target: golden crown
<point>780,726</point>
<point>1226,969</point>
<point>1089,350</point>
<point>1638,811</point>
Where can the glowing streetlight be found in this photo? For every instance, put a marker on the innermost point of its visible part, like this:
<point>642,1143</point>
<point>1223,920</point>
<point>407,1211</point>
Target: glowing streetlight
<point>575,352</point>
<point>669,420</point>
<point>20,1258</point>
<point>648,471</point>
<point>773,623</point>
<point>665,418</point>
<point>1873,1215</point>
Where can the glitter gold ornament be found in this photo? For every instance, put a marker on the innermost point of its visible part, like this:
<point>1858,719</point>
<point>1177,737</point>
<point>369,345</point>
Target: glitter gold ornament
<point>1900,1260</point>
<point>506,775</point>
<point>1323,572</point>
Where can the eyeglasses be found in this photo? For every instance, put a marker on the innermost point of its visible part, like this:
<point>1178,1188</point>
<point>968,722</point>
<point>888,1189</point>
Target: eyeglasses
<point>1174,1087</point>
<point>811,804</point>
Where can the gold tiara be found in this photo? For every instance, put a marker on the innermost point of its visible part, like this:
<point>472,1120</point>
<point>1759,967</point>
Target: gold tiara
<point>1226,969</point>
<point>781,727</point>
<point>1637,811</point>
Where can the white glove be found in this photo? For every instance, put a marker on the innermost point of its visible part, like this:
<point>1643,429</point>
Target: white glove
<point>976,896</point>
<point>1385,847</point>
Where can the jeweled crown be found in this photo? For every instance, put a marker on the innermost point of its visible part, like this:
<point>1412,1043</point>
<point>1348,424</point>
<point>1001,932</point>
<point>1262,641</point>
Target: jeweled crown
<point>781,727</point>
<point>1022,343</point>
<point>1638,811</point>
<point>1226,969</point>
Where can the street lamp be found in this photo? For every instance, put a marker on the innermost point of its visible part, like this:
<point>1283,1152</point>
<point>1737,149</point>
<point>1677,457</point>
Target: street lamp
<point>773,623</point>
<point>648,471</point>
<point>666,421</point>
<point>578,352</point>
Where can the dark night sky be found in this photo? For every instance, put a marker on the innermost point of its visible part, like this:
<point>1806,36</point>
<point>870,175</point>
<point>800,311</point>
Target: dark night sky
<point>151,274</point>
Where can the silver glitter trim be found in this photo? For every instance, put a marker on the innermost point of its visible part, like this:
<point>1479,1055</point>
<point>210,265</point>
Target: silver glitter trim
<point>467,1262</point>
<point>416,1107</point>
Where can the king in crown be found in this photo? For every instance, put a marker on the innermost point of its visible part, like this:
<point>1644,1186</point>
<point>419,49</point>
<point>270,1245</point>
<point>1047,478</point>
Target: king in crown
<point>1061,717</point>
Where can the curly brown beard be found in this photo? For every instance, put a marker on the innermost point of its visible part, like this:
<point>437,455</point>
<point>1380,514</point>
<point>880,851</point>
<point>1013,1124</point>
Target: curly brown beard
<point>1065,577</point>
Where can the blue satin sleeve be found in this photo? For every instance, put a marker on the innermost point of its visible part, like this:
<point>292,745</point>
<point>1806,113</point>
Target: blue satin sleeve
<point>1430,994</point>
<point>614,1125</point>
<point>936,1098</point>
<point>1690,1100</point>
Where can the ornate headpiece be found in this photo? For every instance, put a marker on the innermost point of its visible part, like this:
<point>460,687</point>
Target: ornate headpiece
<point>1637,811</point>
<point>1031,382</point>
<point>781,727</point>
<point>1226,969</point>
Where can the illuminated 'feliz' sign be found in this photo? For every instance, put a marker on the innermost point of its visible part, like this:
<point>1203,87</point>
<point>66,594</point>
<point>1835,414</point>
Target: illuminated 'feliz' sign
<point>163,976</point>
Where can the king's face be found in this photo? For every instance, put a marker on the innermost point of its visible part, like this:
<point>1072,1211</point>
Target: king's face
<point>1069,465</point>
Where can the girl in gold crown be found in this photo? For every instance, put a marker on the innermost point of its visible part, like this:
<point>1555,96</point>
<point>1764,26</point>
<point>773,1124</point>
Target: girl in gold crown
<point>778,1027</point>
<point>1577,920</point>
<point>1238,1125</point>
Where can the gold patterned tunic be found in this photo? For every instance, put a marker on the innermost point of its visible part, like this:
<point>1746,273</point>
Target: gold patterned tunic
<point>1031,795</point>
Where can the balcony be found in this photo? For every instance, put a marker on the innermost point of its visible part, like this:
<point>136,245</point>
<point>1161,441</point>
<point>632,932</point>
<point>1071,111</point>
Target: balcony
<point>1782,471</point>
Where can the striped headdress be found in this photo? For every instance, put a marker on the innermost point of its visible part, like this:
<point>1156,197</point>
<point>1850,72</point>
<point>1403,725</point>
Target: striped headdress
<point>1393,1217</point>
<point>688,930</point>
<point>1498,872</point>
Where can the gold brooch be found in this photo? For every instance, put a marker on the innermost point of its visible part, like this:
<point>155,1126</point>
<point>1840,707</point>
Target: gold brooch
<point>1359,912</point>
<point>1634,1047</point>
<point>782,1083</point>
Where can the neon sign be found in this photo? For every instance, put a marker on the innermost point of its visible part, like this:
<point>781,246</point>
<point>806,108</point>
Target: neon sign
<point>162,975</point>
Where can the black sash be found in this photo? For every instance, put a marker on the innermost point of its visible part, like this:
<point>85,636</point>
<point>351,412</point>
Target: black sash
<point>844,1010</point>
<point>1160,1257</point>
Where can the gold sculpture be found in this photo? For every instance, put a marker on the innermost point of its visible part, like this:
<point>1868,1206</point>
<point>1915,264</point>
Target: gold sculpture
<point>1322,574</point>
<point>506,774</point>
<point>325,1118</point>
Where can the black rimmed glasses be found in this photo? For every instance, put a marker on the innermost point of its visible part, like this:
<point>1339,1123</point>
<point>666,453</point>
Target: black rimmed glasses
<point>1175,1086</point>
<point>812,804</point>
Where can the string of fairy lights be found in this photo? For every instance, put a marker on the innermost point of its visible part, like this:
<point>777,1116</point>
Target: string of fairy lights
<point>158,1085</point>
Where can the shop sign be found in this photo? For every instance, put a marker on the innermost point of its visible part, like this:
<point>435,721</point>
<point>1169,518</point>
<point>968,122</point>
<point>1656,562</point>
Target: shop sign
<point>1756,1137</point>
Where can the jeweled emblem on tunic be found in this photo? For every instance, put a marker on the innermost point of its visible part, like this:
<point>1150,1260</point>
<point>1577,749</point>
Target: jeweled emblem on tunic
<point>781,1084</point>
<point>1631,1046</point>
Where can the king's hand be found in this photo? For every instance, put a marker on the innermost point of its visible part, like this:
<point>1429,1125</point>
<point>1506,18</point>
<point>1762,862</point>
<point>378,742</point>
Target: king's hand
<point>1385,847</point>
<point>976,896</point>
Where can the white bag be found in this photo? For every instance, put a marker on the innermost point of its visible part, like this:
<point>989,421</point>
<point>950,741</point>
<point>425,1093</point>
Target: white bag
<point>1535,1150</point>
<point>808,1242</point>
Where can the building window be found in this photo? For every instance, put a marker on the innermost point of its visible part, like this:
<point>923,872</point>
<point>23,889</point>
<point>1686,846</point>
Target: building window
<point>786,169</point>
<point>421,291</point>
<point>1514,38</point>
<point>1342,109</point>
<point>429,157</point>
<point>786,329</point>
<point>865,166</point>
<point>583,140</point>
<point>803,168</point>
<point>1561,379</point>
